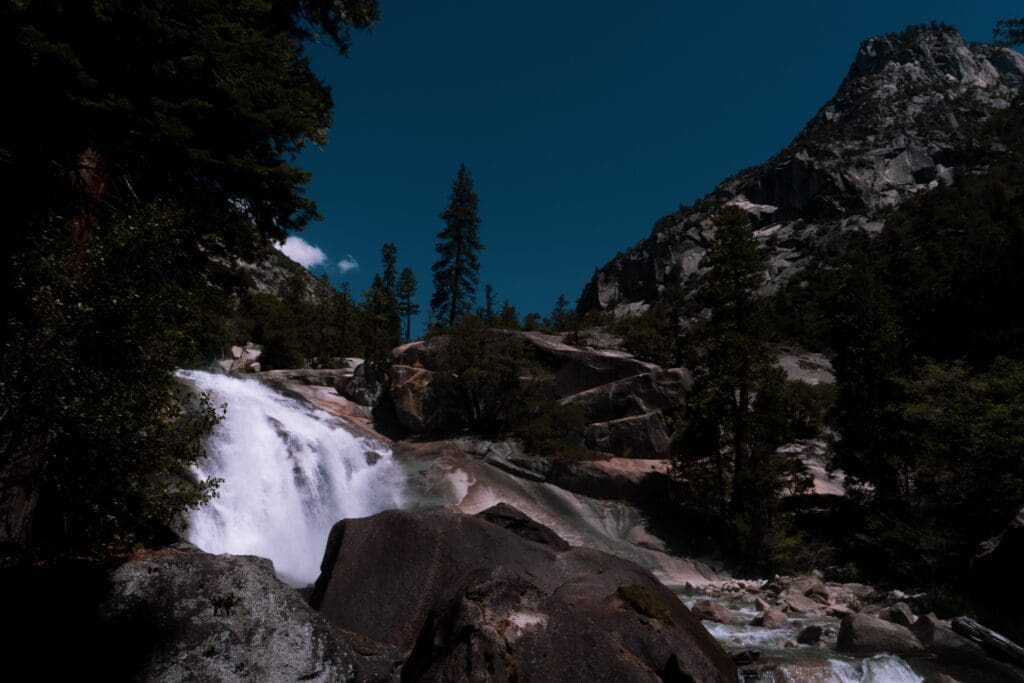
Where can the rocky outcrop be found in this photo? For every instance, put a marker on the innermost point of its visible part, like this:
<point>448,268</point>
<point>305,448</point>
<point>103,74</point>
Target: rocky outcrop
<point>904,120</point>
<point>472,600</point>
<point>567,369</point>
<point>242,359</point>
<point>996,592</point>
<point>643,482</point>
<point>634,436</point>
<point>188,615</point>
<point>621,397</point>
<point>634,395</point>
<point>410,395</point>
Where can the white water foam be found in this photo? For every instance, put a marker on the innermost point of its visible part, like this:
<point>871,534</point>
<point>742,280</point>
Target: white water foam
<point>289,473</point>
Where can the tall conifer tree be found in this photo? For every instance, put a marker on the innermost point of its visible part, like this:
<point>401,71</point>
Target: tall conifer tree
<point>456,271</point>
<point>406,306</point>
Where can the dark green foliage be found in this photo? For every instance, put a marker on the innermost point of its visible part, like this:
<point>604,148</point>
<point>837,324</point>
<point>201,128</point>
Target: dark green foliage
<point>96,429</point>
<point>1009,32</point>
<point>961,474</point>
<point>550,428</point>
<point>927,333</point>
<point>658,334</point>
<point>149,136</point>
<point>644,601</point>
<point>480,385</point>
<point>488,313</point>
<point>561,315</point>
<point>406,290</point>
<point>509,318</point>
<point>199,101</point>
<point>391,329</point>
<point>456,271</point>
<point>532,322</point>
<point>739,411</point>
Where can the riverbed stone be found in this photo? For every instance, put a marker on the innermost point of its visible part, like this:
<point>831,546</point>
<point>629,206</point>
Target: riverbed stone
<point>809,635</point>
<point>708,610</point>
<point>864,634</point>
<point>771,619</point>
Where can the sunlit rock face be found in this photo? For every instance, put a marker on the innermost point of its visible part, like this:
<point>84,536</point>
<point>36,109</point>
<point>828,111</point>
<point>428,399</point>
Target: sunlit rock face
<point>906,119</point>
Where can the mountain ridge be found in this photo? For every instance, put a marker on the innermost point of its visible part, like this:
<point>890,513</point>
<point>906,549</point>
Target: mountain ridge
<point>906,118</point>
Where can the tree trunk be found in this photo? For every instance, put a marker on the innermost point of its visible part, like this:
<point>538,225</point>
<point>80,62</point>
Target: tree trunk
<point>996,644</point>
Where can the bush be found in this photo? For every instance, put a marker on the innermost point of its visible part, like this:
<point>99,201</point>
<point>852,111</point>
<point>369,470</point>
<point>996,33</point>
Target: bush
<point>96,428</point>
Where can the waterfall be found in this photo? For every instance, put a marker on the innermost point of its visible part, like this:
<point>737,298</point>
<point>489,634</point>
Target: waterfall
<point>289,473</point>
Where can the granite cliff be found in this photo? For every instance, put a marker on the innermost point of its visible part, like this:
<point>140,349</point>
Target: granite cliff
<point>908,116</point>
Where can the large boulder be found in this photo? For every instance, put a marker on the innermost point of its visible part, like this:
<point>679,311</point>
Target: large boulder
<point>945,642</point>
<point>864,634</point>
<point>187,615</point>
<point>473,600</point>
<point>996,591</point>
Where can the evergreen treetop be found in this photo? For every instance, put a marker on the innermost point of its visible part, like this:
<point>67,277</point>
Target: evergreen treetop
<point>456,273</point>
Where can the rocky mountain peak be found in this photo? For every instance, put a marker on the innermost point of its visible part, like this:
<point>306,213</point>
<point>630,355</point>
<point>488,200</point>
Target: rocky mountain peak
<point>908,116</point>
<point>919,68</point>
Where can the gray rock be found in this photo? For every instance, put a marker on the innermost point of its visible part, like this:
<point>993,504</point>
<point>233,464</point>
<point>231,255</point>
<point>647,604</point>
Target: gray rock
<point>196,616</point>
<point>945,642</point>
<point>809,635</point>
<point>900,614</point>
<point>771,619</point>
<point>708,610</point>
<point>863,634</point>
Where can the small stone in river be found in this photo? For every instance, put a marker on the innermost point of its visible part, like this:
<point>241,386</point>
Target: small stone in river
<point>771,619</point>
<point>809,635</point>
<point>761,605</point>
<point>706,610</point>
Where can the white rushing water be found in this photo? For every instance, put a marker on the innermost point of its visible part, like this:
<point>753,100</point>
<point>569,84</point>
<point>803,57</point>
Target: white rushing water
<point>289,473</point>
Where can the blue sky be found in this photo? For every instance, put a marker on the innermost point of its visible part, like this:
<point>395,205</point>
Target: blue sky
<point>582,122</point>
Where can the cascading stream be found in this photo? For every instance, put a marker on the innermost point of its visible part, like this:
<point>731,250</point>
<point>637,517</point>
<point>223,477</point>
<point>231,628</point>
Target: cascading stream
<point>289,473</point>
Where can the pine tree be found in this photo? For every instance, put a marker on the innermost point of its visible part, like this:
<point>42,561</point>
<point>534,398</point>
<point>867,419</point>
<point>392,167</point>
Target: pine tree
<point>735,416</point>
<point>456,273</point>
<point>1009,32</point>
<point>375,308</point>
<point>489,302</point>
<point>509,318</point>
<point>406,290</point>
<point>561,315</point>
<point>392,330</point>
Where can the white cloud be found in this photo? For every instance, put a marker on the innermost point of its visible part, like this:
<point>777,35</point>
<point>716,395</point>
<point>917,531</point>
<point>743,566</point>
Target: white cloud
<point>348,263</point>
<point>302,252</point>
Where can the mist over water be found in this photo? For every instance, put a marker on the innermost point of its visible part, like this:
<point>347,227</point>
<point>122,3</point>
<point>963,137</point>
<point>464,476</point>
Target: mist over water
<point>289,473</point>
